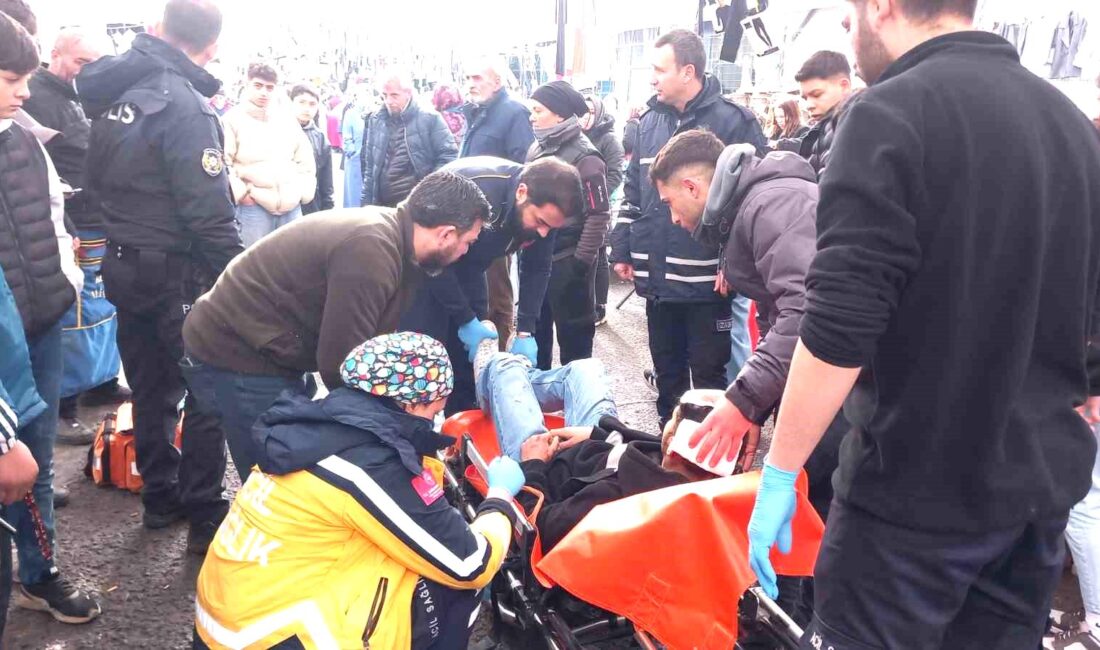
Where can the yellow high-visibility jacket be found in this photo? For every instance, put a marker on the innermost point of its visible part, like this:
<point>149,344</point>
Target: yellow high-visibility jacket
<point>329,554</point>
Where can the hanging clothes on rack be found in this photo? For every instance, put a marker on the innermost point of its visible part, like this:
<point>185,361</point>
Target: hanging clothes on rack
<point>1068,37</point>
<point>1037,51</point>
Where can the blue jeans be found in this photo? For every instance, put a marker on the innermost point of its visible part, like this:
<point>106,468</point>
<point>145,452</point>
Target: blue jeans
<point>740,345</point>
<point>1083,535</point>
<point>39,435</point>
<point>256,223</point>
<point>238,400</point>
<point>516,395</point>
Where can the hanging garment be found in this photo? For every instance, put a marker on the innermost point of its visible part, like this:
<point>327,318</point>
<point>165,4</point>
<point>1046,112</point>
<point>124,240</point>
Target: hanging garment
<point>1067,41</point>
<point>1038,44</point>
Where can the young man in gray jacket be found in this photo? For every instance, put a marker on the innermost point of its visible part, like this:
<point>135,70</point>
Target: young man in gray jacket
<point>760,214</point>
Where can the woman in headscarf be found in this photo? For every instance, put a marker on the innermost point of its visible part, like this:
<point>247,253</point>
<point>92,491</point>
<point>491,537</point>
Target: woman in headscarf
<point>447,101</point>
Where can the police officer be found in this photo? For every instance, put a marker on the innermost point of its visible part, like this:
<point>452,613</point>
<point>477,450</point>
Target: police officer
<point>528,203</point>
<point>156,170</point>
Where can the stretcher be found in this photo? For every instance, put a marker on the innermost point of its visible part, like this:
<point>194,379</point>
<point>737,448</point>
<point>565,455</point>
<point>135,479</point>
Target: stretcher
<point>668,568</point>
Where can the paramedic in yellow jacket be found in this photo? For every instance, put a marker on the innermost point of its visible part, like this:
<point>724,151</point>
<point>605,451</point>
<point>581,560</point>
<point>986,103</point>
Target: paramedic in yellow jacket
<point>344,538</point>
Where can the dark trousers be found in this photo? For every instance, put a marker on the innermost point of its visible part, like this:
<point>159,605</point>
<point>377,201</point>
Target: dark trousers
<point>570,309</point>
<point>427,316</point>
<point>442,617</point>
<point>238,400</point>
<point>603,277</point>
<point>150,340</point>
<point>502,300</point>
<point>882,585</point>
<point>690,346</point>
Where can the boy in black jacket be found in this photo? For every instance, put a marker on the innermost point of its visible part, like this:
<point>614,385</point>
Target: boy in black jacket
<point>306,101</point>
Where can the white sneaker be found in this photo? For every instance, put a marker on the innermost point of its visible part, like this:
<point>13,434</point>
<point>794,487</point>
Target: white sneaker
<point>485,351</point>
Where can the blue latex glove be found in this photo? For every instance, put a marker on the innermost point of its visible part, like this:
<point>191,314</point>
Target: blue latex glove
<point>771,524</point>
<point>505,475</point>
<point>527,346</point>
<point>473,333</point>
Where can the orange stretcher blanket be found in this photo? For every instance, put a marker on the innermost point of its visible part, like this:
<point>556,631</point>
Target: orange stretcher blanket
<point>675,561</point>
<point>672,561</point>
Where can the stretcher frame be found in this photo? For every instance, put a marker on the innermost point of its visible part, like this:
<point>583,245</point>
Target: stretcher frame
<point>756,611</point>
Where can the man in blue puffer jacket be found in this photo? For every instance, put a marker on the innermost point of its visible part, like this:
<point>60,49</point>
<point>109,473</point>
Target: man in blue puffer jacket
<point>687,308</point>
<point>402,144</point>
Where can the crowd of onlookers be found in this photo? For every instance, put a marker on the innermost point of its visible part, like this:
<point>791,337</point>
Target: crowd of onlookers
<point>152,218</point>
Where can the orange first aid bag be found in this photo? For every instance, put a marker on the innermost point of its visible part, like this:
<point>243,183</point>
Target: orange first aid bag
<point>113,456</point>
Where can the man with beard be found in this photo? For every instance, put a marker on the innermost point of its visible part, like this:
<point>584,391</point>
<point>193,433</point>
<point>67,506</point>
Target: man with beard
<point>496,125</point>
<point>528,203</point>
<point>954,298</point>
<point>304,296</point>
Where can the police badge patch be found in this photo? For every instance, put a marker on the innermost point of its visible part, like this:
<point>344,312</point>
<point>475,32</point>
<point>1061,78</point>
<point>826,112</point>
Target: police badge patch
<point>212,162</point>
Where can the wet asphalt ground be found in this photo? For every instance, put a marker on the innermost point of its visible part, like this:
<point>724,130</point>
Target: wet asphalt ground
<point>145,579</point>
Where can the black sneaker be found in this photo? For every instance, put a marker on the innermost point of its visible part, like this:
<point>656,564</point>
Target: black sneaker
<point>202,532</point>
<point>650,379</point>
<point>107,394</point>
<point>73,432</point>
<point>60,598</point>
<point>162,518</point>
<point>601,315</point>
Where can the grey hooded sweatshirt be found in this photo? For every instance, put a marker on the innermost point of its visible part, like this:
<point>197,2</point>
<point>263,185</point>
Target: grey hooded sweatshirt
<point>764,220</point>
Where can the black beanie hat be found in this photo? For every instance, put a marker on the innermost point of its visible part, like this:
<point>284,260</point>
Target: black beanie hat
<point>561,98</point>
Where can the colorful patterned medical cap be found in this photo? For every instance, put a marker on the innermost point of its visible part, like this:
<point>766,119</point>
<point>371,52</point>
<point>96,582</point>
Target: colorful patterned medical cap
<point>411,368</point>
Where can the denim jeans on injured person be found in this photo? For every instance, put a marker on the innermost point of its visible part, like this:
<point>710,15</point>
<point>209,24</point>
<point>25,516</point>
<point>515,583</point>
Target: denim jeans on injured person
<point>1083,535</point>
<point>516,395</point>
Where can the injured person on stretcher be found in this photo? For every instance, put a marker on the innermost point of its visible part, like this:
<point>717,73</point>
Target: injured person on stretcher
<point>595,458</point>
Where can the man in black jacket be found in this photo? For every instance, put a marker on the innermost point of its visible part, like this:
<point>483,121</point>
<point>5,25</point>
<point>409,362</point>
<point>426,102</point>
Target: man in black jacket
<point>156,170</point>
<point>689,321</point>
<point>954,296</point>
<point>496,125</point>
<point>306,101</point>
<point>91,360</point>
<point>528,203</point>
<point>402,144</point>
